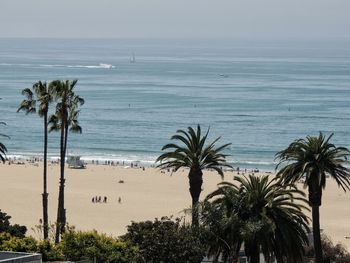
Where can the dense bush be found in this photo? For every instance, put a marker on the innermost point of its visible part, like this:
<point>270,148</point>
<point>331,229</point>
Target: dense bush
<point>19,244</point>
<point>14,230</point>
<point>77,245</point>
<point>50,251</point>
<point>331,253</point>
<point>166,240</point>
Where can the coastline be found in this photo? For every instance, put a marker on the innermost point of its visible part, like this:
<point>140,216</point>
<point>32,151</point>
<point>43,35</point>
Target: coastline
<point>145,193</point>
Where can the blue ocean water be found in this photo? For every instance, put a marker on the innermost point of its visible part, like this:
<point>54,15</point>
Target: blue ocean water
<point>259,96</point>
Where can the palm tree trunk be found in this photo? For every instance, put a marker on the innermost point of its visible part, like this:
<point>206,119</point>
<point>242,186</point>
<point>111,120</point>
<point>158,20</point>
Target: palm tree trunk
<point>64,218</point>
<point>196,180</point>
<point>316,234</point>
<point>315,197</point>
<point>45,194</point>
<point>60,209</point>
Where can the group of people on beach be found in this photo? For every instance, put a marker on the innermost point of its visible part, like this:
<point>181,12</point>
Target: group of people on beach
<point>98,199</point>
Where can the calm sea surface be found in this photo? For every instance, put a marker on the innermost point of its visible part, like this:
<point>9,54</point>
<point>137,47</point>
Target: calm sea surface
<point>258,96</point>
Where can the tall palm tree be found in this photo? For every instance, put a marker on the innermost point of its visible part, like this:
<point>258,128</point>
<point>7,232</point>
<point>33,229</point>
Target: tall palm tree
<point>314,158</point>
<point>38,100</point>
<point>67,101</point>
<point>195,155</point>
<point>265,215</point>
<point>3,148</point>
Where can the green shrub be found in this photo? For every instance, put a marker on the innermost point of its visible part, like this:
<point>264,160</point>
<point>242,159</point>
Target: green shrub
<point>166,240</point>
<point>18,244</point>
<point>14,230</point>
<point>331,253</point>
<point>50,251</point>
<point>78,245</point>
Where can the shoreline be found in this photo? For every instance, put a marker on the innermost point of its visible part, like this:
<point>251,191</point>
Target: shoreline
<point>145,194</point>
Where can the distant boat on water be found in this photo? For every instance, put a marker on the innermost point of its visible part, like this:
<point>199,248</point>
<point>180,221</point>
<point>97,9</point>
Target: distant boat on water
<point>108,66</point>
<point>132,58</point>
<point>223,75</point>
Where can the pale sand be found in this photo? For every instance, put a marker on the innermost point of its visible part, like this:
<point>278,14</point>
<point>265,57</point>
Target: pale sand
<point>145,195</point>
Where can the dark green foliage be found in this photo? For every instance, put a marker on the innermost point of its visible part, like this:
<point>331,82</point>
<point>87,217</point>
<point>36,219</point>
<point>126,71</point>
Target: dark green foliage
<point>261,213</point>
<point>78,245</point>
<point>18,244</point>
<point>331,253</point>
<point>166,240</point>
<point>14,230</point>
<point>50,251</point>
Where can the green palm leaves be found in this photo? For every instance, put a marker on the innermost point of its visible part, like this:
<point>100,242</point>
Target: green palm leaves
<point>195,154</point>
<point>314,158</point>
<point>262,214</point>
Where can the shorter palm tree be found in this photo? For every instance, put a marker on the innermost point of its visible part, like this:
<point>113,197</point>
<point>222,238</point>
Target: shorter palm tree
<point>266,217</point>
<point>313,159</point>
<point>196,155</point>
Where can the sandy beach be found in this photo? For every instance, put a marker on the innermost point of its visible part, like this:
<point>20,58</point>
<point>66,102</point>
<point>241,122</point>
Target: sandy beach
<point>145,195</point>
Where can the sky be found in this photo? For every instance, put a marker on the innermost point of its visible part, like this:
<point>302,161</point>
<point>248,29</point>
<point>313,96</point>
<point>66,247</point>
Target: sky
<point>175,18</point>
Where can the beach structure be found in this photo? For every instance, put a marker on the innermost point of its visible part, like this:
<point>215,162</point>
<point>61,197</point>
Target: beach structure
<point>19,257</point>
<point>74,162</point>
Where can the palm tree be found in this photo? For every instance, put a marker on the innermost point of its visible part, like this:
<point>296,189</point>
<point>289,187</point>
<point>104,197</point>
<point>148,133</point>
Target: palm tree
<point>265,215</point>
<point>3,148</point>
<point>314,158</point>
<point>38,100</point>
<point>221,230</point>
<point>195,155</point>
<point>67,101</point>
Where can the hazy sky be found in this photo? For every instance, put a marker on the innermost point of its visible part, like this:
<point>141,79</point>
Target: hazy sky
<point>175,18</point>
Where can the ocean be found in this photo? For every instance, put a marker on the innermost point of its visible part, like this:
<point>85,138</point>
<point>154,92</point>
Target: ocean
<point>257,95</point>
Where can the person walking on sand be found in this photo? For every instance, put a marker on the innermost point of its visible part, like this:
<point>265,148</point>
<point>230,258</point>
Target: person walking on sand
<point>119,200</point>
<point>105,199</point>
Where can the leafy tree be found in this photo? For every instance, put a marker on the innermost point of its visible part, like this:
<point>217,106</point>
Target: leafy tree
<point>6,227</point>
<point>67,101</point>
<point>196,155</point>
<point>331,253</point>
<point>38,100</point>
<point>313,159</point>
<point>166,240</point>
<point>264,215</point>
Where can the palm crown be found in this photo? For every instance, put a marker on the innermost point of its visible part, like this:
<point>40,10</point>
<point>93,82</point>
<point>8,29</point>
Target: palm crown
<point>314,158</point>
<point>193,153</point>
<point>196,155</point>
<point>265,215</point>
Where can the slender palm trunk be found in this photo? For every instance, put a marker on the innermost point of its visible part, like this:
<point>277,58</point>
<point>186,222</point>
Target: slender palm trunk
<point>45,194</point>
<point>316,233</point>
<point>315,196</point>
<point>196,180</point>
<point>60,210</point>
